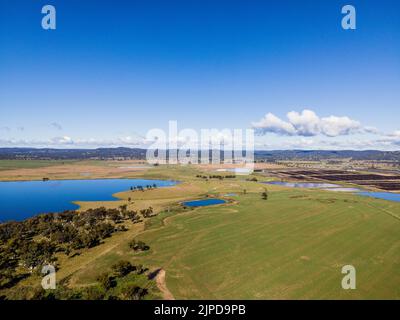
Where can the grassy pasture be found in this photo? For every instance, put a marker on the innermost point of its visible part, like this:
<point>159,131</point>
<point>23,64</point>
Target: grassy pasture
<point>291,246</point>
<point>31,164</point>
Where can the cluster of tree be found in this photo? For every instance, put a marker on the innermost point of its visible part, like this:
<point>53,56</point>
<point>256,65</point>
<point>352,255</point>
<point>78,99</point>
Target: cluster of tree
<point>264,195</point>
<point>147,213</point>
<point>220,177</point>
<point>141,188</point>
<point>120,270</point>
<point>119,284</point>
<point>138,245</point>
<point>27,245</point>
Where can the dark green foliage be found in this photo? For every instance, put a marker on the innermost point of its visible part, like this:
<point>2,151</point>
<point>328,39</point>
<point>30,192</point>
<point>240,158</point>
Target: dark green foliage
<point>133,293</point>
<point>147,213</point>
<point>28,245</point>
<point>121,228</point>
<point>138,245</point>
<point>219,177</point>
<point>106,281</point>
<point>122,268</point>
<point>41,294</point>
<point>93,293</point>
<point>36,253</point>
<point>31,243</point>
<point>121,284</point>
<point>264,195</point>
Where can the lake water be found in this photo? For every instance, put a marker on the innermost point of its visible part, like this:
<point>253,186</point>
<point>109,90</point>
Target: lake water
<point>23,199</point>
<point>338,188</point>
<point>238,171</point>
<point>381,195</point>
<point>203,202</point>
<point>304,184</point>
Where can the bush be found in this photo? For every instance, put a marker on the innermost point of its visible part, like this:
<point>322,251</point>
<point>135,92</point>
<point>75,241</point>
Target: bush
<point>134,292</point>
<point>93,293</point>
<point>106,281</point>
<point>122,268</point>
<point>138,245</point>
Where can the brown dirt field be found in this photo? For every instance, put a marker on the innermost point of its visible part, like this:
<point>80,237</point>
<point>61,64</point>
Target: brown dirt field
<point>106,169</point>
<point>257,166</point>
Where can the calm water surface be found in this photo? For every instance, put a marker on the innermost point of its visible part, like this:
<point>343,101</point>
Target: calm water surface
<point>382,195</point>
<point>203,202</point>
<point>23,199</point>
<point>335,187</point>
<point>304,184</point>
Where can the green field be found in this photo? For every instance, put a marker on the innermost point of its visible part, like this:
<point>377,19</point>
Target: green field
<point>30,164</point>
<point>291,246</point>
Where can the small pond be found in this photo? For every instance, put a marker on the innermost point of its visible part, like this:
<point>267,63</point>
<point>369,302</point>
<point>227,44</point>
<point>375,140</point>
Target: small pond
<point>203,202</point>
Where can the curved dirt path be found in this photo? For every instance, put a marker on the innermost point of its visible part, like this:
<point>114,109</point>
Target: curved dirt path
<point>162,286</point>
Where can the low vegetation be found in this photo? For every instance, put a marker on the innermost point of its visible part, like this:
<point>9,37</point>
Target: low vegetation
<point>28,245</point>
<point>278,243</point>
<point>215,176</point>
<point>120,283</point>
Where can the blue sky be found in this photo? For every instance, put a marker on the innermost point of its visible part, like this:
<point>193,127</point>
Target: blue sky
<point>112,70</point>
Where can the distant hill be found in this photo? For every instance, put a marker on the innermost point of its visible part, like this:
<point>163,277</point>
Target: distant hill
<point>328,154</point>
<point>72,154</point>
<point>140,154</point>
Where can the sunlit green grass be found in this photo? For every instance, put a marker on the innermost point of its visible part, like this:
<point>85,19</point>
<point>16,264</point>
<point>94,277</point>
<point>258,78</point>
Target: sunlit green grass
<point>286,247</point>
<point>292,246</point>
<point>28,164</point>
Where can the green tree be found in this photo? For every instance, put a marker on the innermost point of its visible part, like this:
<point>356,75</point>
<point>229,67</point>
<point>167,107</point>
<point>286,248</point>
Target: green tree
<point>106,281</point>
<point>264,195</point>
<point>134,292</point>
<point>122,268</point>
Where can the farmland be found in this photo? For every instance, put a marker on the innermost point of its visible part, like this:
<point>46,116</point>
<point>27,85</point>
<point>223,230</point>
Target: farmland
<point>291,246</point>
<point>380,181</point>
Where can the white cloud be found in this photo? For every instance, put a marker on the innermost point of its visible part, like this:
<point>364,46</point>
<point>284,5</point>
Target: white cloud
<point>62,140</point>
<point>302,143</point>
<point>395,134</point>
<point>307,123</point>
<point>68,142</point>
<point>339,126</point>
<point>271,123</point>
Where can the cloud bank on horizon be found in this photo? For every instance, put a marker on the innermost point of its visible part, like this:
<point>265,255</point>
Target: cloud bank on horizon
<point>308,123</point>
<point>300,130</point>
<point>305,129</point>
<point>205,65</point>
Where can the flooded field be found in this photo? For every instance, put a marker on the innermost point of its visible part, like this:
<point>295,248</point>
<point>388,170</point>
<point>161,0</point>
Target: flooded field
<point>387,182</point>
<point>337,188</point>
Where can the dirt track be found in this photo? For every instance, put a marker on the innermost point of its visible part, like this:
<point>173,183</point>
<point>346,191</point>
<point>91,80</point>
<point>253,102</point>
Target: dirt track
<point>161,284</point>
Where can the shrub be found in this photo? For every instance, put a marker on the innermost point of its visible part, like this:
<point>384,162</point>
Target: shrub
<point>138,245</point>
<point>106,281</point>
<point>134,292</point>
<point>122,268</point>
